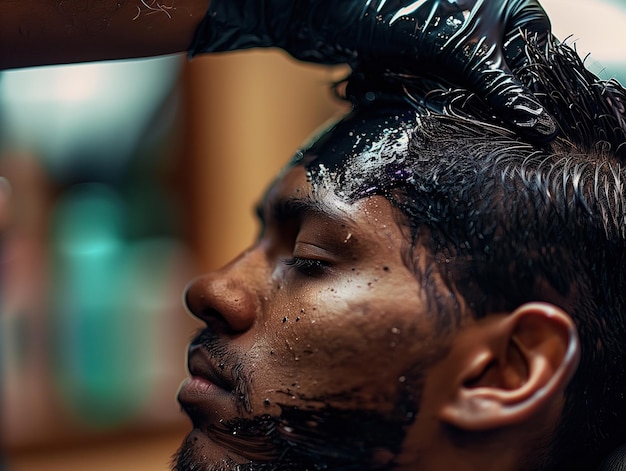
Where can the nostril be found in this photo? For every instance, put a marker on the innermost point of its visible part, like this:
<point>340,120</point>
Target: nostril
<point>193,299</point>
<point>198,305</point>
<point>217,299</point>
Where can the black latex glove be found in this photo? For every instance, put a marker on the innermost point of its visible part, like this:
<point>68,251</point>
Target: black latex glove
<point>470,43</point>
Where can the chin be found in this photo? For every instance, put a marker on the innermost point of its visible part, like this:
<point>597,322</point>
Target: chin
<point>199,453</point>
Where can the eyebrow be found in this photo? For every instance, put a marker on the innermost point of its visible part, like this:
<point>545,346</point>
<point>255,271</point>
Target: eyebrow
<point>293,208</point>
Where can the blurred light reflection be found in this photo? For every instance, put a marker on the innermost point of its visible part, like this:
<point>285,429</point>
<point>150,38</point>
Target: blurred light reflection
<point>91,115</point>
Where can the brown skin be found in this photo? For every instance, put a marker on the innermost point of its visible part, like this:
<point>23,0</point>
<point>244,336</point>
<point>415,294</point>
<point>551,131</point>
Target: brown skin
<point>356,320</point>
<point>352,330</point>
<point>501,387</point>
<point>40,32</point>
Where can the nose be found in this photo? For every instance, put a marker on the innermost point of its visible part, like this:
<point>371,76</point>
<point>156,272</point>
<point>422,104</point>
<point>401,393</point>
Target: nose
<point>227,296</point>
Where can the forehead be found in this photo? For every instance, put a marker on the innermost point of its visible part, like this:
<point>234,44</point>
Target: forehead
<point>369,223</point>
<point>294,194</point>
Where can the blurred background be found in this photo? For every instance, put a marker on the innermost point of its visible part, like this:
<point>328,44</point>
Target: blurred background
<point>119,182</point>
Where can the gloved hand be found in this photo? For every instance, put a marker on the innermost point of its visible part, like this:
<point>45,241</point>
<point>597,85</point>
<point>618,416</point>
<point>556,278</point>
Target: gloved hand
<point>470,43</point>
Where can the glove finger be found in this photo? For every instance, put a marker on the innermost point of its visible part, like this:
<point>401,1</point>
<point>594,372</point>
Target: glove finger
<point>514,103</point>
<point>527,21</point>
<point>476,51</point>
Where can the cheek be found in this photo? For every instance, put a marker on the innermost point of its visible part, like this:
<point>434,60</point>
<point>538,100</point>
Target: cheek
<point>354,339</point>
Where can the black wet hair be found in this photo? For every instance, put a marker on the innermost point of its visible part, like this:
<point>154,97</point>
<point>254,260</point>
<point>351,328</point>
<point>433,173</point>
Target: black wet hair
<point>506,222</point>
<point>590,113</point>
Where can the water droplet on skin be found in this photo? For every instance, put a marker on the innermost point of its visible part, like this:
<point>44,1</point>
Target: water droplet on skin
<point>221,366</point>
<point>266,401</point>
<point>284,320</point>
<point>297,319</point>
<point>402,379</point>
<point>395,330</point>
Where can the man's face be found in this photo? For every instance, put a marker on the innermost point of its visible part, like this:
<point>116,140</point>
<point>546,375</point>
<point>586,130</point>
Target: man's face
<point>316,339</point>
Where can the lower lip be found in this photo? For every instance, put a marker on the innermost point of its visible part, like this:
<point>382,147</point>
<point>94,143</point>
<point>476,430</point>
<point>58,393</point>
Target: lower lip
<point>205,402</point>
<point>196,388</point>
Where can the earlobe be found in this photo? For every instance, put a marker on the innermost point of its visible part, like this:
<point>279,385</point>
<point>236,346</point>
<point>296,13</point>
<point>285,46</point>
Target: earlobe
<point>512,367</point>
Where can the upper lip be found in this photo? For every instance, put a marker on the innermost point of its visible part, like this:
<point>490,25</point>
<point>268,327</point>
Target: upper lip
<point>201,364</point>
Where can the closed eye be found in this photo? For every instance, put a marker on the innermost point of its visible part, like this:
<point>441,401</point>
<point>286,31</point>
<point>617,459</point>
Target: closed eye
<point>307,266</point>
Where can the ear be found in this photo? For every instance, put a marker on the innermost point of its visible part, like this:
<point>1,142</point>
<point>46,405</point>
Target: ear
<point>511,367</point>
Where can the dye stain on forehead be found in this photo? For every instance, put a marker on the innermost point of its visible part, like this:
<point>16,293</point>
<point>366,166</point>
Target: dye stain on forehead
<point>364,154</point>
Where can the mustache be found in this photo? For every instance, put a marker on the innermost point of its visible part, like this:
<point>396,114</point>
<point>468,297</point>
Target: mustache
<point>229,363</point>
